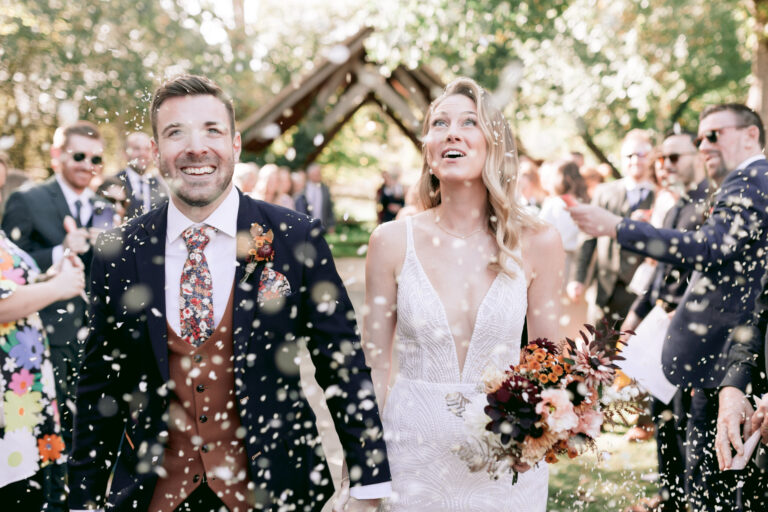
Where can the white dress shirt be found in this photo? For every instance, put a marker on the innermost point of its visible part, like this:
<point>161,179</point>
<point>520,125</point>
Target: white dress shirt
<point>314,194</point>
<point>221,254</point>
<point>86,209</point>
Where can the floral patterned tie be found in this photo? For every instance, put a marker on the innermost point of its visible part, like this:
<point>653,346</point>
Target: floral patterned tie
<point>196,297</point>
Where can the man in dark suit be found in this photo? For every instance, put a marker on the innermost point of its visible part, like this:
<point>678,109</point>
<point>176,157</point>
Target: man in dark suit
<point>727,256</point>
<point>34,218</point>
<point>315,200</point>
<point>686,175</point>
<point>190,392</point>
<point>613,266</point>
<point>143,191</point>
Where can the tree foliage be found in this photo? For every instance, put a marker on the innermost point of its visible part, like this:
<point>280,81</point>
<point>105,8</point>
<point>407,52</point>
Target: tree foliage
<point>604,65</point>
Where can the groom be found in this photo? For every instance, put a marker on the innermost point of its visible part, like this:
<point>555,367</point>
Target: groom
<point>190,392</point>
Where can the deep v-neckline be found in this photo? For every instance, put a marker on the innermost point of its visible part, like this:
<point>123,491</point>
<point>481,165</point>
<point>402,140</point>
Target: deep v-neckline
<point>459,367</point>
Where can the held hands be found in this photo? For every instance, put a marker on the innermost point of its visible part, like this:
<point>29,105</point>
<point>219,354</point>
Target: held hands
<point>594,220</point>
<point>734,419</point>
<point>574,290</point>
<point>78,240</point>
<point>760,419</point>
<point>68,277</point>
<point>346,503</point>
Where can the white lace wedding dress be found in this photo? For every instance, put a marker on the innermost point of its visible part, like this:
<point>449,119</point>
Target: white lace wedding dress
<point>418,427</point>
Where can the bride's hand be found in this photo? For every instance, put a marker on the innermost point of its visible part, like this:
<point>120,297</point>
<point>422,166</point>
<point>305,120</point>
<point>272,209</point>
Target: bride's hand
<point>521,468</point>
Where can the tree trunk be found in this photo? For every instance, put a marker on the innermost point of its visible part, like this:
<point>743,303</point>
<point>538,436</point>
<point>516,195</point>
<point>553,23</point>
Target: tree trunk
<point>758,92</point>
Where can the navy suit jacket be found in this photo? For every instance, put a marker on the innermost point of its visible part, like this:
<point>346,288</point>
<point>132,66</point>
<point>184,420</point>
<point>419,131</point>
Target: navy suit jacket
<point>34,220</point>
<point>727,255</point>
<point>157,191</point>
<point>123,387</point>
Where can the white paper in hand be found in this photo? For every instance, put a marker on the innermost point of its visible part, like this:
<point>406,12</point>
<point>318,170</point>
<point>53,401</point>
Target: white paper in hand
<point>643,355</point>
<point>740,461</point>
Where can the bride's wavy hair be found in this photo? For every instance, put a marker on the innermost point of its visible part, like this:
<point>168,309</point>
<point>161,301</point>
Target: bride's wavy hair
<point>506,216</point>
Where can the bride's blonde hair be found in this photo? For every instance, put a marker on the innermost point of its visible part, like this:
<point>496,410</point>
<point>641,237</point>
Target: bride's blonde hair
<point>506,217</point>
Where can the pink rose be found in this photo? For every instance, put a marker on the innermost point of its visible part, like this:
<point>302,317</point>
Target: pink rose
<point>556,408</point>
<point>589,423</point>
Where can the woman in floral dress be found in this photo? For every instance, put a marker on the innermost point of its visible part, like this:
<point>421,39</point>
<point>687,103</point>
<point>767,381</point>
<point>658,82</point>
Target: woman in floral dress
<point>30,437</point>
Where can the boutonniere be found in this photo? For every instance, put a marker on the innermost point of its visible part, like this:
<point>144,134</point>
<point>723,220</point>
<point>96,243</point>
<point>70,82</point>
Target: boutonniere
<point>261,249</point>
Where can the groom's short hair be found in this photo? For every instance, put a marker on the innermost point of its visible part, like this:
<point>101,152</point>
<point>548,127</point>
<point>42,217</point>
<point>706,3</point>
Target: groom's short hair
<point>190,85</point>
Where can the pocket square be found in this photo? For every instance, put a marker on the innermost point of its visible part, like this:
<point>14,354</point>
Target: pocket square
<point>273,285</point>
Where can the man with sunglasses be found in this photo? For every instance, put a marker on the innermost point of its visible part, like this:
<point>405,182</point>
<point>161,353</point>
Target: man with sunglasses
<point>727,257</point>
<point>34,218</point>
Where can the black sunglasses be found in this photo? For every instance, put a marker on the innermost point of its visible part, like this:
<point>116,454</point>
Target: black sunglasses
<point>673,157</point>
<point>712,135</point>
<point>79,157</point>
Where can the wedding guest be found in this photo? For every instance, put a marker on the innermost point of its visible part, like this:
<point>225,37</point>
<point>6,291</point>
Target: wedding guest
<point>390,197</point>
<point>684,172</point>
<point>315,200</point>
<point>50,220</point>
<point>560,179</point>
<point>246,177</point>
<point>727,257</point>
<point>412,203</point>
<point>614,266</point>
<point>143,190</point>
<point>30,432</point>
<point>529,186</point>
<point>284,187</point>
<point>299,180</point>
<point>592,178</point>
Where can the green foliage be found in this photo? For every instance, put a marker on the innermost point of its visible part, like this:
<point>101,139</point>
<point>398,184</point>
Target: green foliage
<point>605,66</point>
<point>618,476</point>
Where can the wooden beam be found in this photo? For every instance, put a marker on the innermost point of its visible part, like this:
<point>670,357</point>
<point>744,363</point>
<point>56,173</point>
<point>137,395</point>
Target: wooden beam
<point>414,91</point>
<point>388,96</point>
<point>350,101</point>
<point>329,134</point>
<point>293,94</point>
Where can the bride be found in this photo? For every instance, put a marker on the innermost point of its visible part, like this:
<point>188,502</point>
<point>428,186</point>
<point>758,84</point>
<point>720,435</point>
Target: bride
<point>454,284</point>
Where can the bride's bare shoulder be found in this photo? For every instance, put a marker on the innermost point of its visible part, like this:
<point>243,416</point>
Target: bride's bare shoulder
<point>544,237</point>
<point>388,241</point>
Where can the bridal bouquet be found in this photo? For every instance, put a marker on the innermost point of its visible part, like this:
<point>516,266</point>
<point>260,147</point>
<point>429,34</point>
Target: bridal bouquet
<point>553,402</point>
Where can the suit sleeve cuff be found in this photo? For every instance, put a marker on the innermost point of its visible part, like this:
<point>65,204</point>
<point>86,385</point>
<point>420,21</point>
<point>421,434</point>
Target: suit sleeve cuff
<point>56,255</point>
<point>371,492</point>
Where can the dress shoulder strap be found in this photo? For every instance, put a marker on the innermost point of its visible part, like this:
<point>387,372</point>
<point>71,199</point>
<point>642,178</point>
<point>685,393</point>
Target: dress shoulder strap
<point>409,235</point>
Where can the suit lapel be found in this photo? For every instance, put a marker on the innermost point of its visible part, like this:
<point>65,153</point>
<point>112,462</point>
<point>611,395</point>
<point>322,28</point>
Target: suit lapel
<point>57,199</point>
<point>150,260</point>
<point>245,304</point>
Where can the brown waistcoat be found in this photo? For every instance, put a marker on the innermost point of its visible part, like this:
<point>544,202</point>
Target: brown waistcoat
<point>204,431</point>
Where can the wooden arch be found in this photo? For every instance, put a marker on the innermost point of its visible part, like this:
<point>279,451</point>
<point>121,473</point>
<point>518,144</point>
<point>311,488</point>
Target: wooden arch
<point>323,100</point>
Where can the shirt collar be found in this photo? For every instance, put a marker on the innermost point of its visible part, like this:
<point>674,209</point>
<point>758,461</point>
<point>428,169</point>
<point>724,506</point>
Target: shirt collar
<point>223,218</point>
<point>69,194</point>
<point>750,160</point>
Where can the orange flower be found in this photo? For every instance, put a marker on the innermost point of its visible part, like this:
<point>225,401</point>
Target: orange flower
<point>50,447</point>
<point>543,378</point>
<point>558,370</point>
<point>553,378</point>
<point>551,457</point>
